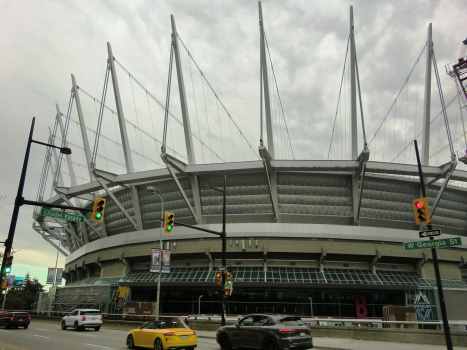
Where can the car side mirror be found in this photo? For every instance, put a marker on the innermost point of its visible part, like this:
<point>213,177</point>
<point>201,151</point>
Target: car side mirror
<point>237,325</point>
<point>140,327</point>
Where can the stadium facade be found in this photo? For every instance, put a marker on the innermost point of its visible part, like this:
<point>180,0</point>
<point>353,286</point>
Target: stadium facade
<point>304,237</point>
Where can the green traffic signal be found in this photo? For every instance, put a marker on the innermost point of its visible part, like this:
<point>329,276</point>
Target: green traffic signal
<point>169,228</point>
<point>7,269</point>
<point>98,215</point>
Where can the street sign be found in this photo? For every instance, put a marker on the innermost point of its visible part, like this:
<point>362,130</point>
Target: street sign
<point>430,233</point>
<point>62,215</point>
<point>436,243</point>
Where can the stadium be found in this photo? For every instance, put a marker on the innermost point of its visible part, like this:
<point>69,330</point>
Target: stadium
<point>316,238</point>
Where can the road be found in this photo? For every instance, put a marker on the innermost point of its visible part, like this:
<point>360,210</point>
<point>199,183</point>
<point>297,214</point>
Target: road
<point>41,336</point>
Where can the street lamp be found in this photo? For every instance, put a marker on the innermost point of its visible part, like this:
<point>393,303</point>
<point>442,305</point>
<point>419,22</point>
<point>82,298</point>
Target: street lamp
<point>154,190</point>
<point>311,305</point>
<point>224,242</point>
<point>19,201</point>
<point>199,305</point>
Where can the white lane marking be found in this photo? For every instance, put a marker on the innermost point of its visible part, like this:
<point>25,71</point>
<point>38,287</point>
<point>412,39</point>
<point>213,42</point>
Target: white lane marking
<point>99,346</point>
<point>41,336</point>
<point>3,330</point>
<point>88,335</point>
<point>42,329</point>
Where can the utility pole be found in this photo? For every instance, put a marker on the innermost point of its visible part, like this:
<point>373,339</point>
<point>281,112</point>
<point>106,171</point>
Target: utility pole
<point>447,331</point>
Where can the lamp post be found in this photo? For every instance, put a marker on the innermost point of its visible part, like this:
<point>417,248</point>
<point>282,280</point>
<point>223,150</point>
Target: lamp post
<point>199,305</point>
<point>53,284</point>
<point>19,201</point>
<point>154,190</point>
<point>311,305</point>
<point>224,242</point>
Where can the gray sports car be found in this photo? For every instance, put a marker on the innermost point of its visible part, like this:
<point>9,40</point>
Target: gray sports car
<point>267,332</point>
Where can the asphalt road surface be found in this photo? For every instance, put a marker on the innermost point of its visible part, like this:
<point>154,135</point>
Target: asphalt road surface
<point>45,336</point>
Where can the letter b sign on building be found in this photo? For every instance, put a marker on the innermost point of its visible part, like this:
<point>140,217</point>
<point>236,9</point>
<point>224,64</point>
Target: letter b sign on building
<point>360,307</point>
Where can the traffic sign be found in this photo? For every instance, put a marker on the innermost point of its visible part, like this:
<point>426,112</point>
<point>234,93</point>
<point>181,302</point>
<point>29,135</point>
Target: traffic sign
<point>430,233</point>
<point>436,243</point>
<point>62,215</point>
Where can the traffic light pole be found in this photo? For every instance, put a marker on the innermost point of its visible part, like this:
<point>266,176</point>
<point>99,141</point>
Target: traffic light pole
<point>223,235</point>
<point>19,201</point>
<point>224,260</point>
<point>19,197</point>
<point>447,331</point>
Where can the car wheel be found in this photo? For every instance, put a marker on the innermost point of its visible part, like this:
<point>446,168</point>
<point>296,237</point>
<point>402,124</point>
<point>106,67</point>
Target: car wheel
<point>97,328</point>
<point>158,344</point>
<point>26,327</point>
<point>225,343</point>
<point>63,325</point>
<point>76,327</point>
<point>130,342</point>
<point>270,344</point>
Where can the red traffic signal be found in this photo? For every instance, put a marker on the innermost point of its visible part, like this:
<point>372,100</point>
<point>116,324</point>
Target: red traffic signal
<point>219,278</point>
<point>421,210</point>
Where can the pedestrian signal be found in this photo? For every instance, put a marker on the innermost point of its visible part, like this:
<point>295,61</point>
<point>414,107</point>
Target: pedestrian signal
<point>169,222</point>
<point>98,209</point>
<point>421,210</point>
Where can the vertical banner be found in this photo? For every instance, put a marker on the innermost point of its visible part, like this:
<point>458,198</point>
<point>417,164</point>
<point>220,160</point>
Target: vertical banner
<point>11,281</point>
<point>166,261</point>
<point>155,255</point>
<point>58,279</point>
<point>50,275</point>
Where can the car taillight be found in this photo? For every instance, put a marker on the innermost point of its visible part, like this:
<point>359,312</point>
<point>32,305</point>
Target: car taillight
<point>102,317</point>
<point>29,317</point>
<point>286,330</point>
<point>84,318</point>
<point>194,333</point>
<point>12,318</point>
<point>170,334</point>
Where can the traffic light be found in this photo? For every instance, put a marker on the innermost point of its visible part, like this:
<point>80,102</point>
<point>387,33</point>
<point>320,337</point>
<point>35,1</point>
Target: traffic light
<point>228,277</point>
<point>8,263</point>
<point>219,278</point>
<point>3,285</point>
<point>422,213</point>
<point>169,222</point>
<point>98,209</point>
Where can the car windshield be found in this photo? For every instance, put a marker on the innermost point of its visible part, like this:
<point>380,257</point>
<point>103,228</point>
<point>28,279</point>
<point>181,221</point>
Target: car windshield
<point>21,315</point>
<point>292,321</point>
<point>92,312</point>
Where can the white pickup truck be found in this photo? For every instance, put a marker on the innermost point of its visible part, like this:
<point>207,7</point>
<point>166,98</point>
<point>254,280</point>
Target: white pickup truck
<point>83,318</point>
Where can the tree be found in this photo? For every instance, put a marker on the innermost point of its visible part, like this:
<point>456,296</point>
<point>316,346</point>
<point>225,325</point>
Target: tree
<point>23,298</point>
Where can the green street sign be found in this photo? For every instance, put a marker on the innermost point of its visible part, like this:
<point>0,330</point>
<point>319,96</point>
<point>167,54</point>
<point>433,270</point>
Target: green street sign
<point>61,215</point>
<point>436,243</point>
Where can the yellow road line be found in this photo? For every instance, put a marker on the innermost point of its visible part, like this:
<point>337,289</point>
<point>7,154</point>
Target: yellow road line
<point>11,346</point>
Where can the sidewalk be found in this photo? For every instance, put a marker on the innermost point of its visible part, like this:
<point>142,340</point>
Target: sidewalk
<point>352,344</point>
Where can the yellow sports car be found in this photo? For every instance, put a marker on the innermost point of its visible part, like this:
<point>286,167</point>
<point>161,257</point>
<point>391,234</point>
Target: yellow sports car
<point>155,336</point>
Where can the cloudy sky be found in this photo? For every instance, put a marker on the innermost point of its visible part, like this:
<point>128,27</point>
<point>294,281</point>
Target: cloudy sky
<point>44,42</point>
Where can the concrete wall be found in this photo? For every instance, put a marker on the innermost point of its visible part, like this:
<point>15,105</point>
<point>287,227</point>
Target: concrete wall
<point>456,301</point>
<point>447,270</point>
<point>397,335</point>
<point>113,268</point>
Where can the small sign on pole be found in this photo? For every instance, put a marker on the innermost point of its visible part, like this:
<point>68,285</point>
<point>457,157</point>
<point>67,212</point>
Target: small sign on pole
<point>430,233</point>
